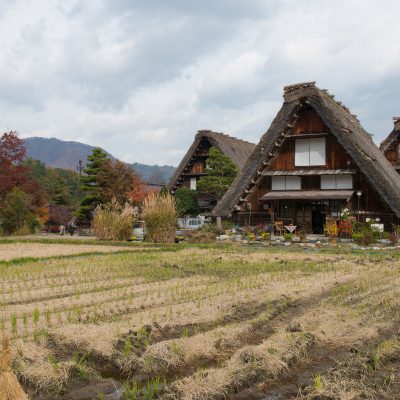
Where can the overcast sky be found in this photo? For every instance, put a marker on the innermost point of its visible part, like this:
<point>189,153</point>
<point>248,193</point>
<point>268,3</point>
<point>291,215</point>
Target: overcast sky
<point>139,78</point>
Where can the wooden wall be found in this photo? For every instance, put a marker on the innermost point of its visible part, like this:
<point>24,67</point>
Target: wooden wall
<point>198,167</point>
<point>310,122</point>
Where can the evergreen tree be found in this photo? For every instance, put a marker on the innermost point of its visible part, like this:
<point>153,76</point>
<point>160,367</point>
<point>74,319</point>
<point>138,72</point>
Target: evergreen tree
<point>90,184</point>
<point>221,172</point>
<point>186,202</point>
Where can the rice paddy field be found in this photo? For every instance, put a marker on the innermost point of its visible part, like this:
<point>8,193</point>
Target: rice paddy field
<point>201,322</point>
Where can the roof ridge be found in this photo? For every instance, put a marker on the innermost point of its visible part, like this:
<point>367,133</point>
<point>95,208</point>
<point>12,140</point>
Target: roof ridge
<point>200,131</point>
<point>297,86</point>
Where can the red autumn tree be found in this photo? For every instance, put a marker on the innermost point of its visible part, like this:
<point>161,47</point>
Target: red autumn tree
<point>137,194</point>
<point>15,174</point>
<point>12,171</point>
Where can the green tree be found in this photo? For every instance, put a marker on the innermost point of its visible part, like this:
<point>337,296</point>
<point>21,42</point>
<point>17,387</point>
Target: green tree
<point>60,186</point>
<point>221,172</point>
<point>16,212</point>
<point>90,184</point>
<point>186,202</point>
<point>72,181</point>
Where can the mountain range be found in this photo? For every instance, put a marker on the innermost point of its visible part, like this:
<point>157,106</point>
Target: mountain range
<point>58,153</point>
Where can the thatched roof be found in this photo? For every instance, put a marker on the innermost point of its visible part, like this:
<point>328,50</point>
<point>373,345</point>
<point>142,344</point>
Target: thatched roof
<point>342,124</point>
<point>393,136</point>
<point>236,149</point>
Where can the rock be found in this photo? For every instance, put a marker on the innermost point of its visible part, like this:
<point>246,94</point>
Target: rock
<point>294,326</point>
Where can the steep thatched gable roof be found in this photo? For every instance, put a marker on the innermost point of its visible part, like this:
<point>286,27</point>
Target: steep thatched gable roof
<point>342,124</point>
<point>393,136</point>
<point>236,149</point>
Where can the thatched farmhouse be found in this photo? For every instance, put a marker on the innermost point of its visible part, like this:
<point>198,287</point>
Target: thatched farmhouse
<point>192,167</point>
<point>391,145</point>
<point>314,161</point>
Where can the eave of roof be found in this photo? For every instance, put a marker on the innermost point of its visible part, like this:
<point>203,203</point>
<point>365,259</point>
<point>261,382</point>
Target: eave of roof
<point>393,136</point>
<point>308,195</point>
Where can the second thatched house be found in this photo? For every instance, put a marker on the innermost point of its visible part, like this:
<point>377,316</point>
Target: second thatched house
<point>391,145</point>
<point>193,165</point>
<point>314,161</point>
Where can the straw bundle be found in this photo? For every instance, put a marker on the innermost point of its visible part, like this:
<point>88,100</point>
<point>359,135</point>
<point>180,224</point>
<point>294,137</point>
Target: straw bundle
<point>10,389</point>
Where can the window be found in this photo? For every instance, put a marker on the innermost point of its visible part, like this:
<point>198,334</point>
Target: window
<point>193,183</point>
<point>398,154</point>
<point>310,152</point>
<point>286,183</point>
<point>336,182</point>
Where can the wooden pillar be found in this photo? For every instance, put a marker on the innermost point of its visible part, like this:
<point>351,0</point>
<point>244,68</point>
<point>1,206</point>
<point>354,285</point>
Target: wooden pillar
<point>219,223</point>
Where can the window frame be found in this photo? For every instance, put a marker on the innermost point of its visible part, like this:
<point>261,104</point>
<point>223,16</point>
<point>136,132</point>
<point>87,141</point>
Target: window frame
<point>284,177</point>
<point>336,180</point>
<point>298,151</point>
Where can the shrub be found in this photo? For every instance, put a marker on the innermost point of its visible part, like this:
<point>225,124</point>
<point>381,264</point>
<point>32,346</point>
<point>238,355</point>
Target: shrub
<point>161,218</point>
<point>365,237</point>
<point>200,236</point>
<point>113,221</point>
<point>212,229</point>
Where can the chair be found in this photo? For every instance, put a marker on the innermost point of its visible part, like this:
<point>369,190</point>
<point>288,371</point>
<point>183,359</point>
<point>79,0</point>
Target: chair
<point>279,228</point>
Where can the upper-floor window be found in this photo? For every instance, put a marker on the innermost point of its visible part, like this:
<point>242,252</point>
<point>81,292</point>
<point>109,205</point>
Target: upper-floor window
<point>336,182</point>
<point>310,152</point>
<point>286,183</point>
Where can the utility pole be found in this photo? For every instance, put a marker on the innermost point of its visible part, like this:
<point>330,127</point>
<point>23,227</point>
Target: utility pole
<point>79,168</point>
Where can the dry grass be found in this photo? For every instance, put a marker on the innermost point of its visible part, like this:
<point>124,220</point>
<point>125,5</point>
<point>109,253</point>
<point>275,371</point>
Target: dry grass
<point>18,250</point>
<point>161,217</point>
<point>213,320</point>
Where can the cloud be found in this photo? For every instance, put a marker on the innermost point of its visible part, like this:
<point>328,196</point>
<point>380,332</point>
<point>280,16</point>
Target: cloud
<point>139,78</point>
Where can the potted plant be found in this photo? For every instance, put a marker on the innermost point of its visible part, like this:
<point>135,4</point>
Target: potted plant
<point>265,235</point>
<point>394,236</point>
<point>251,236</point>
<point>302,235</point>
<point>288,236</point>
<point>332,231</point>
